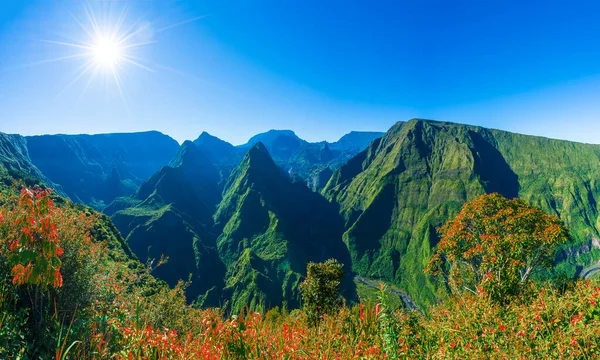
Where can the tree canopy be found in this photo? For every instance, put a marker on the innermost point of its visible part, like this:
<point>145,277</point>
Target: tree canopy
<point>494,245</point>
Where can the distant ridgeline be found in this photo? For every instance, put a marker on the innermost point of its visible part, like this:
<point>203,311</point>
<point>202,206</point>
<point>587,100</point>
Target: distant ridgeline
<point>243,221</point>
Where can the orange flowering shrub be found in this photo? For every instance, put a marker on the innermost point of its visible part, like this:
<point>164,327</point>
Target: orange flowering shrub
<point>494,245</point>
<point>107,306</point>
<point>31,242</point>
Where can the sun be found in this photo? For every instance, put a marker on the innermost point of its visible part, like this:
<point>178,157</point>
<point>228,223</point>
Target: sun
<point>107,44</point>
<point>106,52</point>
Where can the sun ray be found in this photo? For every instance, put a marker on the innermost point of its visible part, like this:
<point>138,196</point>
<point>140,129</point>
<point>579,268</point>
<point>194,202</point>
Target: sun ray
<point>92,20</point>
<point>121,92</point>
<point>47,61</point>
<point>64,43</point>
<point>132,34</point>
<point>87,32</point>
<point>107,43</point>
<point>81,71</point>
<point>184,22</point>
<point>119,23</point>
<point>133,62</point>
<point>131,46</point>
<point>87,85</point>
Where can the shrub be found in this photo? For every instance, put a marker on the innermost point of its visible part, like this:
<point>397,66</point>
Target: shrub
<point>321,289</point>
<point>494,245</point>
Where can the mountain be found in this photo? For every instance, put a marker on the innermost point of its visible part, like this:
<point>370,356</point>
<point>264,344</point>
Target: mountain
<point>95,169</point>
<point>15,162</point>
<point>271,137</point>
<point>355,141</point>
<point>237,221</point>
<point>301,159</point>
<point>267,228</point>
<point>219,151</point>
<point>396,193</point>
<point>171,215</point>
<point>270,229</point>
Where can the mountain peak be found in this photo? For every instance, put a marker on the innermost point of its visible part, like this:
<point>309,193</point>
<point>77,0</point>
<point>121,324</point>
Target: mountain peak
<point>271,136</point>
<point>356,140</point>
<point>210,140</point>
<point>187,154</point>
<point>258,157</point>
<point>260,147</point>
<point>217,150</point>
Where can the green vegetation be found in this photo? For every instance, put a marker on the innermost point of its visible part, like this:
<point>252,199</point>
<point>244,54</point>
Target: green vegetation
<point>494,246</point>
<point>239,229</point>
<point>95,302</point>
<point>395,194</point>
<point>321,294</point>
<point>270,229</point>
<point>371,294</point>
<point>177,203</point>
<point>298,158</point>
<point>95,169</point>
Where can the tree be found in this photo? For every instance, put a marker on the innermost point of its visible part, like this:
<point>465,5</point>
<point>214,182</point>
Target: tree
<point>48,251</point>
<point>321,289</point>
<point>28,227</point>
<point>494,245</point>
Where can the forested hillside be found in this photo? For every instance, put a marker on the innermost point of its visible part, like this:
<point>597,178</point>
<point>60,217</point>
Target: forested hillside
<point>395,194</point>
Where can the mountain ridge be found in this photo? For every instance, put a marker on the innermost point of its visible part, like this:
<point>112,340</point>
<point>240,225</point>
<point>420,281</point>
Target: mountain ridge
<point>396,193</point>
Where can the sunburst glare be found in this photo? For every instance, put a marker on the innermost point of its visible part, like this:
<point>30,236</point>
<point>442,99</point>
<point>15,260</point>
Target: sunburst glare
<point>106,52</point>
<point>105,44</point>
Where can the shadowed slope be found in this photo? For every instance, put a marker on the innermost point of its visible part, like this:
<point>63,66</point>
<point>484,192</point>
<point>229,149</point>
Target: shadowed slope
<point>402,187</point>
<point>171,215</point>
<point>95,169</point>
<point>271,227</point>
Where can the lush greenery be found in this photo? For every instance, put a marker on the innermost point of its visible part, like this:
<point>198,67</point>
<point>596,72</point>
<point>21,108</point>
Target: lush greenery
<point>302,160</point>
<point>495,245</point>
<point>320,289</point>
<point>92,301</point>
<point>179,201</point>
<point>396,194</point>
<point>95,169</point>
<point>270,228</point>
<point>253,252</point>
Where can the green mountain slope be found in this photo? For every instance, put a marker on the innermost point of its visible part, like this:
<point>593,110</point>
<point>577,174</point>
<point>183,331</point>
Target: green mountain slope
<point>15,163</point>
<point>270,228</point>
<point>395,194</point>
<point>95,169</point>
<point>171,215</point>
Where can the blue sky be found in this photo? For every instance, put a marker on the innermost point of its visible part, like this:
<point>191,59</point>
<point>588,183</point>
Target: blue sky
<point>322,69</point>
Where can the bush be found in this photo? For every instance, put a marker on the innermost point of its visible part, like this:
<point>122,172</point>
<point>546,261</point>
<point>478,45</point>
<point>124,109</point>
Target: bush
<point>321,289</point>
<point>494,246</point>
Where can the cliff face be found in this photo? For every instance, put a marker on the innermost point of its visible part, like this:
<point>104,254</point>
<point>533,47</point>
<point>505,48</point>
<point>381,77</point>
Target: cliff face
<point>15,162</point>
<point>95,169</point>
<point>395,194</point>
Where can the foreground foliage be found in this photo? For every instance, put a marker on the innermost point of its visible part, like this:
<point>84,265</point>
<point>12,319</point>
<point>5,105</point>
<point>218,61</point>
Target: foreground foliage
<point>495,245</point>
<point>321,289</point>
<point>109,306</point>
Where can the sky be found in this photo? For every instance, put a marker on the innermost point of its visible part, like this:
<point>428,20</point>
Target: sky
<point>322,69</point>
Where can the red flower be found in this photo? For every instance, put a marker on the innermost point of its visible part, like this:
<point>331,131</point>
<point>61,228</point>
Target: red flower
<point>575,319</point>
<point>360,311</point>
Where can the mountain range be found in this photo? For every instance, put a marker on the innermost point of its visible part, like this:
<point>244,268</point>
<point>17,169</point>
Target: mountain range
<point>242,222</point>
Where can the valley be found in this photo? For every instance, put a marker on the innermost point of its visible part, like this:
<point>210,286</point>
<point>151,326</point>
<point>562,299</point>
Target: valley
<point>242,222</point>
